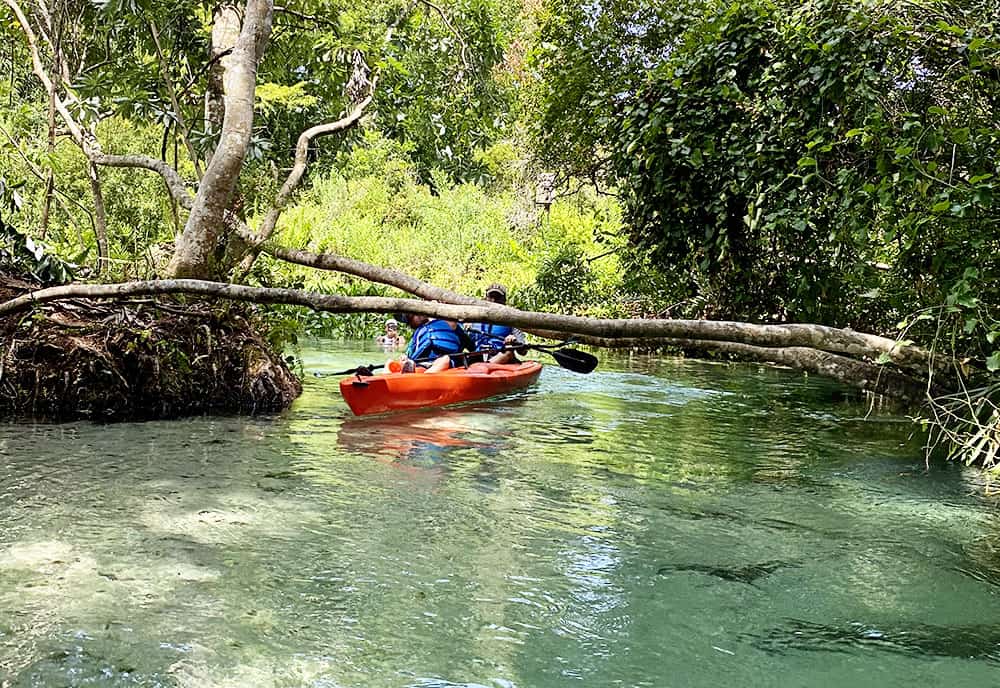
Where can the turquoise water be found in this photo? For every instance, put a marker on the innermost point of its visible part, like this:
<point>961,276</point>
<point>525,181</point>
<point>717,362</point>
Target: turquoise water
<point>656,523</point>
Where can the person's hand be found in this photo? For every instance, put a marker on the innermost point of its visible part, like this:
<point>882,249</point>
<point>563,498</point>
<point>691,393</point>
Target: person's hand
<point>510,340</point>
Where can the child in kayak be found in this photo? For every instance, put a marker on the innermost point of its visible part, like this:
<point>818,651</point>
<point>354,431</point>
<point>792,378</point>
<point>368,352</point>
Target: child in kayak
<point>433,339</point>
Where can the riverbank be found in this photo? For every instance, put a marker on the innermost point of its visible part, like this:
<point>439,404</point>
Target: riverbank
<point>141,359</point>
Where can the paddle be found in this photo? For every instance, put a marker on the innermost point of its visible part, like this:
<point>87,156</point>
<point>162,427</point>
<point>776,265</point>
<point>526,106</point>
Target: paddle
<point>570,359</point>
<point>365,370</point>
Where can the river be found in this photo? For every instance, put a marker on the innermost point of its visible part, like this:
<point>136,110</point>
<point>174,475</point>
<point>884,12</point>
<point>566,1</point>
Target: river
<point>656,523</point>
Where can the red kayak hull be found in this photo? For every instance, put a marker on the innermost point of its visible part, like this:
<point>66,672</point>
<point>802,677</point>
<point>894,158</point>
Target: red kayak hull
<point>403,391</point>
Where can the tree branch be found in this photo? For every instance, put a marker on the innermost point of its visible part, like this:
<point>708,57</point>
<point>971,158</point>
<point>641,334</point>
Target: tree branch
<point>780,344</point>
<point>39,69</point>
<point>307,17</point>
<point>175,103</point>
<point>295,176</point>
<point>464,52</point>
<point>372,273</point>
<point>175,183</point>
<point>863,375</point>
<point>640,331</point>
<point>86,140</point>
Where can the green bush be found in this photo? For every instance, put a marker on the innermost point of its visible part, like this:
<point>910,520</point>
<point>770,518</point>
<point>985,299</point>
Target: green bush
<point>461,236</point>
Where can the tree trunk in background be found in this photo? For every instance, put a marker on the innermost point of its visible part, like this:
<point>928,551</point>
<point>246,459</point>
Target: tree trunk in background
<point>100,218</point>
<point>225,32</point>
<point>50,179</point>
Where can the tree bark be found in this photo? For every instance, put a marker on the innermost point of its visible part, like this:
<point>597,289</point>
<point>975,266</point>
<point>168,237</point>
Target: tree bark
<point>194,255</point>
<point>225,33</point>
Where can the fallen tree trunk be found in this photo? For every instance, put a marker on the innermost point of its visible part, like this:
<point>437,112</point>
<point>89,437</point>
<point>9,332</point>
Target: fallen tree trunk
<point>824,350</point>
<point>620,332</point>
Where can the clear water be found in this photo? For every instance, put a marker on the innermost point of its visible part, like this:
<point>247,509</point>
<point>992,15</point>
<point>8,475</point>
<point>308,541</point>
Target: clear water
<point>657,523</point>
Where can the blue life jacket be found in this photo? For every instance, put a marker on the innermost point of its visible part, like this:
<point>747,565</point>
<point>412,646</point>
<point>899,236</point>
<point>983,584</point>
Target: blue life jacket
<point>489,336</point>
<point>433,339</point>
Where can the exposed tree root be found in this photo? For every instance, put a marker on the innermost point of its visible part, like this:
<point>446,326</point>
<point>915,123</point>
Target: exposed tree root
<point>136,360</point>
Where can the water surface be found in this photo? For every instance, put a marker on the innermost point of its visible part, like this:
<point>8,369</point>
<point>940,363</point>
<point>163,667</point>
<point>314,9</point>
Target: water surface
<point>656,523</point>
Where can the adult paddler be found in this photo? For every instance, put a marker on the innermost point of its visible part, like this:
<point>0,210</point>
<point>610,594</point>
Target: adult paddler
<point>489,336</point>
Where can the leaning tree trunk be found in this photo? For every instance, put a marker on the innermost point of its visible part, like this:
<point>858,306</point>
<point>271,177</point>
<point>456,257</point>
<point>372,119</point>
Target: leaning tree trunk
<point>197,246</point>
<point>225,33</point>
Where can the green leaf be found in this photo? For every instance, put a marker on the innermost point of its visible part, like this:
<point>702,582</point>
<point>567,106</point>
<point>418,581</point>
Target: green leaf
<point>807,162</point>
<point>993,362</point>
<point>851,133</point>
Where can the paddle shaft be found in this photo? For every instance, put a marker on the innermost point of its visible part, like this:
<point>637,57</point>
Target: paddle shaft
<point>571,359</point>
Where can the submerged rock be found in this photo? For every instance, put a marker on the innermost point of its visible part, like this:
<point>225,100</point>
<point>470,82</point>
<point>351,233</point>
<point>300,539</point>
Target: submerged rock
<point>142,359</point>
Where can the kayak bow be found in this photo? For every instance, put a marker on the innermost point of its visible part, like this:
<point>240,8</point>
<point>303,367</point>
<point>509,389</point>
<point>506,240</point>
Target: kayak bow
<point>402,391</point>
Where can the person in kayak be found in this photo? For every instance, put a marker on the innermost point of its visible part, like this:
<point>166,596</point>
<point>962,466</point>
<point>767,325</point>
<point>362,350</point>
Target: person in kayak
<point>391,339</point>
<point>488,336</point>
<point>433,339</point>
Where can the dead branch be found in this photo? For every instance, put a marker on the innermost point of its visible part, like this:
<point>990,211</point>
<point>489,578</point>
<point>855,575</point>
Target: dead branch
<point>298,170</point>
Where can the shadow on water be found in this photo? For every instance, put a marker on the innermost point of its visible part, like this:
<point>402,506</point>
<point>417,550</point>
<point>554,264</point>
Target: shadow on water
<point>980,642</point>
<point>748,574</point>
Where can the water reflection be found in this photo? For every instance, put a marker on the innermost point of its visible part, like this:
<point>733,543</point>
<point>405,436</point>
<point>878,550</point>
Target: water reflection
<point>980,642</point>
<point>429,437</point>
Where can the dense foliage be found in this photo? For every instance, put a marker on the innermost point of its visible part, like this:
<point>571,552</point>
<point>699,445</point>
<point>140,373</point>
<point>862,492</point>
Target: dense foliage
<point>462,235</point>
<point>821,161</point>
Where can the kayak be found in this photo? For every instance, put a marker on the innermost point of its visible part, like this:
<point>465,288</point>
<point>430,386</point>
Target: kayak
<point>402,391</point>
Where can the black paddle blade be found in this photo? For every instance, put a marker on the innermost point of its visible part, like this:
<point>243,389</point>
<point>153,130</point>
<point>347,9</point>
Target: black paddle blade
<point>575,360</point>
<point>363,370</point>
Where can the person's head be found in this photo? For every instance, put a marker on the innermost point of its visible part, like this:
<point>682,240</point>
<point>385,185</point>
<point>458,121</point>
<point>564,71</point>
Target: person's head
<point>496,293</point>
<point>391,326</point>
<point>412,319</point>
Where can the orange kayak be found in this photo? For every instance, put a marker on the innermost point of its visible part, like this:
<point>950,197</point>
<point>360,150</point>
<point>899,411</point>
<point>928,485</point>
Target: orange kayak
<point>401,391</point>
